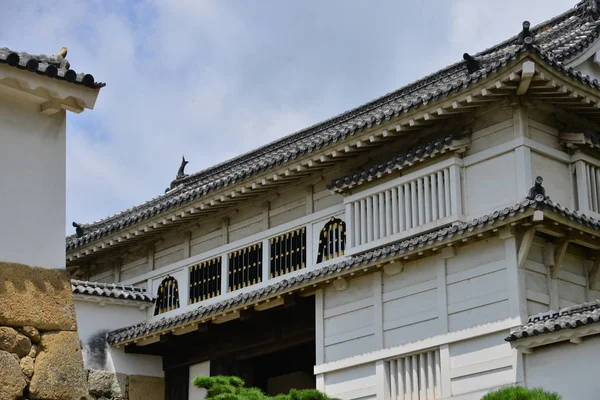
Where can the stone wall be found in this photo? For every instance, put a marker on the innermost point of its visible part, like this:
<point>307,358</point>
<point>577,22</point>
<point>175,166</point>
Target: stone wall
<point>106,385</point>
<point>40,355</point>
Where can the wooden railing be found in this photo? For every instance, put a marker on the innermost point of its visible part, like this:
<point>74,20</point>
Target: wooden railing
<point>418,201</point>
<point>205,280</point>
<point>287,252</point>
<point>416,376</point>
<point>587,182</point>
<point>245,267</point>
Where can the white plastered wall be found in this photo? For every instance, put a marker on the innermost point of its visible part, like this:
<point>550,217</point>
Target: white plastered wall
<point>94,321</point>
<point>32,161</point>
<point>569,369</point>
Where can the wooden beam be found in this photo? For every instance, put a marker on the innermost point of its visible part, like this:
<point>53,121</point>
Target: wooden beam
<point>525,246</point>
<point>269,304</point>
<point>559,255</point>
<point>50,107</point>
<point>593,274</point>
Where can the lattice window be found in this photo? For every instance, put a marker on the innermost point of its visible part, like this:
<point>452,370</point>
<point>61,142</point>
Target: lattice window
<point>245,267</point>
<point>167,298</point>
<point>332,240</point>
<point>416,377</point>
<point>205,280</point>
<point>288,252</point>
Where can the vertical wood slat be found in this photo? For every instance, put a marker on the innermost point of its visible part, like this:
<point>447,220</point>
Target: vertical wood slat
<point>438,375</point>
<point>363,221</point>
<point>434,198</point>
<point>356,239</point>
<point>401,215</point>
<point>407,207</point>
<point>441,200</point>
<point>381,215</point>
<point>408,378</point>
<point>447,191</point>
<point>427,198</point>
<point>422,377</point>
<point>400,379</point>
<point>349,225</point>
<point>388,213</point>
<point>395,220</point>
<point>369,219</point>
<point>393,382</point>
<point>420,201</point>
<point>375,200</point>
<point>413,206</point>
<point>415,377</point>
<point>593,186</point>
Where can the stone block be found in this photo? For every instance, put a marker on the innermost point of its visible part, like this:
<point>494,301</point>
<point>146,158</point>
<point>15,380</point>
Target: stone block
<point>32,333</point>
<point>12,380</point>
<point>33,352</point>
<point>27,366</point>
<point>58,370</point>
<point>13,342</point>
<point>108,384</point>
<point>37,297</point>
<point>146,388</point>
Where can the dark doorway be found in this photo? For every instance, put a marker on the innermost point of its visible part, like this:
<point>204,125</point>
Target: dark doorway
<point>272,349</point>
<point>274,372</point>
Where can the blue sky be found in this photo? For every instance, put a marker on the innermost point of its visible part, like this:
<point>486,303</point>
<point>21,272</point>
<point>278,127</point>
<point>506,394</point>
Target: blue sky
<point>213,79</point>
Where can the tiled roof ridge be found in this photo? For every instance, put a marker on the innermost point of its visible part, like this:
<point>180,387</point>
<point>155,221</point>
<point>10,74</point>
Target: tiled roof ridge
<point>417,152</point>
<point>571,317</point>
<point>183,194</point>
<point>56,67</point>
<point>354,262</point>
<point>115,290</point>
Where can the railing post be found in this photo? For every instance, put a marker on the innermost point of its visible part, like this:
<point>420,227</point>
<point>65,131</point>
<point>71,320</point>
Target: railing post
<point>349,228</point>
<point>266,259</point>
<point>310,255</point>
<point>455,190</point>
<point>583,203</point>
<point>224,273</point>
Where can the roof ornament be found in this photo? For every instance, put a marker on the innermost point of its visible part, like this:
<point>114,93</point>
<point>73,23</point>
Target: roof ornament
<point>181,172</point>
<point>473,65</point>
<point>526,37</point>
<point>537,190</point>
<point>593,8</point>
<point>78,229</point>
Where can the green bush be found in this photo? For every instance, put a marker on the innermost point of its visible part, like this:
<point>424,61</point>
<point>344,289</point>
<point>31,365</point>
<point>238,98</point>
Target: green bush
<point>521,393</point>
<point>232,388</point>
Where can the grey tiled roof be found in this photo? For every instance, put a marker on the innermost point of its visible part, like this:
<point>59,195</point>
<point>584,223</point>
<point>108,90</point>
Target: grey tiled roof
<point>356,262</point>
<point>406,158</point>
<point>55,67</point>
<point>117,291</point>
<point>554,41</point>
<point>554,321</point>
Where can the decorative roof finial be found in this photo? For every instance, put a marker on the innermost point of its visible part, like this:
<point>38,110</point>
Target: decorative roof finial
<point>525,36</point>
<point>473,65</point>
<point>593,8</point>
<point>181,171</point>
<point>537,189</point>
<point>78,229</point>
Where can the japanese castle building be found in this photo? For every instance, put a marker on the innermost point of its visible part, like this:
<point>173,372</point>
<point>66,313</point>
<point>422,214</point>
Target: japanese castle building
<point>405,249</point>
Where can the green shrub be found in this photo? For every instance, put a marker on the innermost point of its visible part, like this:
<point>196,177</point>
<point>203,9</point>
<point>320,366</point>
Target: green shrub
<point>232,388</point>
<point>521,393</point>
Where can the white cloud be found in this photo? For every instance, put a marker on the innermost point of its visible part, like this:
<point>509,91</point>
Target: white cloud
<point>213,79</point>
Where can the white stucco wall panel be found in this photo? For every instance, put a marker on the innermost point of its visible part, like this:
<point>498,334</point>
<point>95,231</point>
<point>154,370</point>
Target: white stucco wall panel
<point>491,129</point>
<point>481,363</point>
<point>477,285</point>
<point>359,288</point>
<point>570,370</point>
<point>200,369</point>
<point>557,178</point>
<point>352,383</point>
<point>491,184</point>
<point>94,321</point>
<point>33,165</point>
<point>349,348</point>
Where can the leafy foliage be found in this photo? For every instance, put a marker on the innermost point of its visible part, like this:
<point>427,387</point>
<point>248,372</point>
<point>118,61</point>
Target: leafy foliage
<point>521,393</point>
<point>232,388</point>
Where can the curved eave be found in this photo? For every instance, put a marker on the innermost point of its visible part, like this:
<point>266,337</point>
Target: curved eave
<point>48,93</point>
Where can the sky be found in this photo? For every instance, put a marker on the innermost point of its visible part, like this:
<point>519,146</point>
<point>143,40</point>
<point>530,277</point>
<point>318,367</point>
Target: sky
<point>214,79</point>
